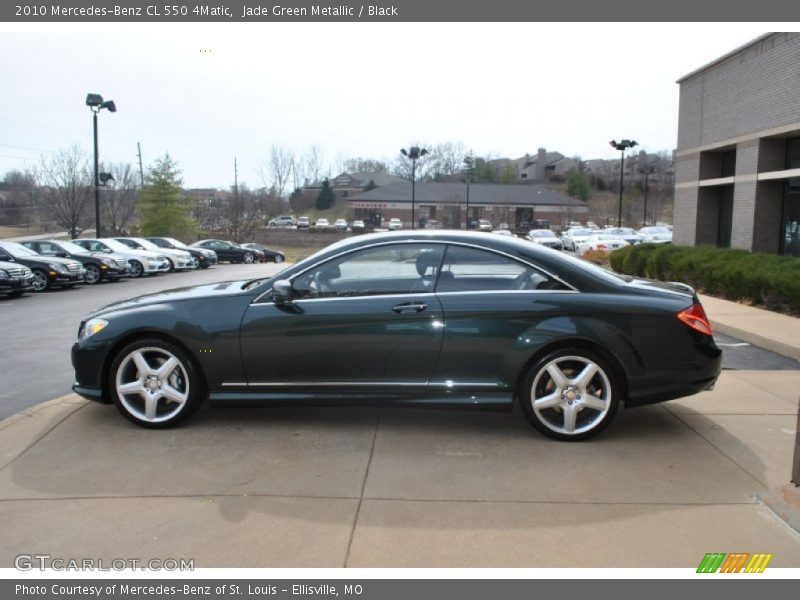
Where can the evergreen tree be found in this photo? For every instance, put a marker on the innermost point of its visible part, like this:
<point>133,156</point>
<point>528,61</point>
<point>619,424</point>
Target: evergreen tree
<point>578,186</point>
<point>165,210</point>
<point>326,197</point>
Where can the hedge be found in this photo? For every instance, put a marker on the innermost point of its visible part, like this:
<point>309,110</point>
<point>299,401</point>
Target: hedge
<point>767,279</point>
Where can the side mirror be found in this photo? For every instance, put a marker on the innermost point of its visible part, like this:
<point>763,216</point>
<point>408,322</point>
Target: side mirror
<point>61,254</point>
<point>282,291</point>
<point>107,250</point>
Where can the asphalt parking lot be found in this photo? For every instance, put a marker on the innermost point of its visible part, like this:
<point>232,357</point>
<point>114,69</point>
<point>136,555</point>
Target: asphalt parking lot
<point>39,329</point>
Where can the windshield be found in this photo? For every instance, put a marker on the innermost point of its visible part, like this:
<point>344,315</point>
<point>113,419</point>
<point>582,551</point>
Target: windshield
<point>580,232</point>
<point>115,245</point>
<point>73,248</point>
<point>656,230</point>
<point>15,249</point>
<point>608,236</point>
<point>543,234</point>
<point>147,244</point>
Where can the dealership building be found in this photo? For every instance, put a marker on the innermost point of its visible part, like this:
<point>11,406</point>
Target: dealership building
<point>737,176</point>
<point>449,205</point>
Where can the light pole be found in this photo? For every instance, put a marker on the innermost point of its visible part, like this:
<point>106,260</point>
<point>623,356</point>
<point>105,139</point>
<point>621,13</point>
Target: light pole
<point>621,146</point>
<point>647,172</point>
<point>96,104</point>
<point>469,170</point>
<point>413,153</point>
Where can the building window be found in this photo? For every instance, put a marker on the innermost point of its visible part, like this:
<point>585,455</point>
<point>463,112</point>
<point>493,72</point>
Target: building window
<point>790,228</point>
<point>728,164</point>
<point>793,153</point>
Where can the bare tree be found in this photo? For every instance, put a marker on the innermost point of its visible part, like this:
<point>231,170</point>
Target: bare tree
<point>448,158</point>
<point>242,212</point>
<point>120,203</point>
<point>314,164</point>
<point>17,205</point>
<point>66,188</point>
<point>364,165</point>
<point>278,169</point>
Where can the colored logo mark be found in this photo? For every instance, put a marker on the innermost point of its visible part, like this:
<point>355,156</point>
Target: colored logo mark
<point>736,562</point>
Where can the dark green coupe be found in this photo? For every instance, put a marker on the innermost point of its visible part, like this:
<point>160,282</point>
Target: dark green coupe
<point>417,318</point>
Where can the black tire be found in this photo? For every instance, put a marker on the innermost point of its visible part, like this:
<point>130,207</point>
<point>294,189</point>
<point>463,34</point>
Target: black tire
<point>150,347</point>
<point>248,258</point>
<point>16,293</point>
<point>137,269</point>
<point>603,388</point>
<point>278,258</point>
<point>171,265</point>
<point>204,265</point>
<point>93,274</point>
<point>41,282</point>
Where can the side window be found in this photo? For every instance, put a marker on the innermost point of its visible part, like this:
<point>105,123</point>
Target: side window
<point>393,269</point>
<point>46,248</point>
<point>472,270</point>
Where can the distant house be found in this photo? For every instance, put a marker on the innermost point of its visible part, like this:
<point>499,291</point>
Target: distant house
<point>545,165</point>
<point>347,185</point>
<point>451,204</point>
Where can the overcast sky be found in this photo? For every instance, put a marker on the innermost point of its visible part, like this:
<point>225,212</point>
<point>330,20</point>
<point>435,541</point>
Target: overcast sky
<point>207,93</point>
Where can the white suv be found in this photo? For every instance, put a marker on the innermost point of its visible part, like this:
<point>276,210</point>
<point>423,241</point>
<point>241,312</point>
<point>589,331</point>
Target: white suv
<point>395,224</point>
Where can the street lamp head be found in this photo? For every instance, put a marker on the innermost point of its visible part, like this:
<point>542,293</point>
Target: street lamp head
<point>423,152</point>
<point>94,100</point>
<point>403,152</point>
<point>109,104</point>
<point>105,178</point>
<point>613,143</point>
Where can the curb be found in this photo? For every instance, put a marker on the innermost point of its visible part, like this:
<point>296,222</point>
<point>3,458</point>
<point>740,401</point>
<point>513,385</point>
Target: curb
<point>756,339</point>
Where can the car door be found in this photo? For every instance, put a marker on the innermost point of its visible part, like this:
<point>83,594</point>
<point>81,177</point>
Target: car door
<point>224,251</point>
<point>367,321</point>
<point>492,305</point>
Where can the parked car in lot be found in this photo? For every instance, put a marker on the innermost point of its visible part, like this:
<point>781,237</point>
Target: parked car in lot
<point>484,225</point>
<point>142,262</point>
<point>282,221</point>
<point>269,255</point>
<point>228,251</point>
<point>395,224</point>
<point>506,232</point>
<point>358,226</point>
<point>15,279</point>
<point>340,224</point>
<point>203,257</point>
<point>303,223</point>
<point>179,260</point>
<point>98,265</point>
<point>655,235</point>
<point>461,319</point>
<point>601,241</point>
<point>545,237</point>
<point>47,270</point>
<point>574,236</point>
<point>626,233</point>
<point>322,224</point>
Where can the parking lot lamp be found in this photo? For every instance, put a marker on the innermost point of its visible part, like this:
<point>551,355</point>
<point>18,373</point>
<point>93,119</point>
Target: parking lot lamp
<point>647,172</point>
<point>621,146</point>
<point>413,153</point>
<point>96,104</point>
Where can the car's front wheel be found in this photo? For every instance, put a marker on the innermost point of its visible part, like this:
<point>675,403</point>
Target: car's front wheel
<point>571,394</point>
<point>155,384</point>
<point>278,258</point>
<point>41,282</point>
<point>92,274</point>
<point>137,270</point>
<point>248,257</point>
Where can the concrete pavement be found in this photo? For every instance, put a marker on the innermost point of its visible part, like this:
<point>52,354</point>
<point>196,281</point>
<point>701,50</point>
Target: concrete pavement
<point>404,488</point>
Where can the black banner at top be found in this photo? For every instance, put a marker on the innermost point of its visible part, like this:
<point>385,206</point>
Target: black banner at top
<point>150,11</point>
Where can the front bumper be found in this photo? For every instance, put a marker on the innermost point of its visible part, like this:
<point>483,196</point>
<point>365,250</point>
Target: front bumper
<point>16,284</point>
<point>58,277</point>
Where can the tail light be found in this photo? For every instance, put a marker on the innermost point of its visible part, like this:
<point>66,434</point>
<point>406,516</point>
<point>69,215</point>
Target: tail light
<point>602,246</point>
<point>695,317</point>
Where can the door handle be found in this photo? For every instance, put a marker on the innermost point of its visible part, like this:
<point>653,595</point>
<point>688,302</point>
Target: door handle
<point>409,307</point>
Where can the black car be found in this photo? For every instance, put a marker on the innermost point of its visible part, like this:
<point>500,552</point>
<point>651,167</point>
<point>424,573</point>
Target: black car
<point>47,270</point>
<point>269,255</point>
<point>98,265</point>
<point>15,279</point>
<point>228,251</point>
<point>439,318</point>
<point>203,256</point>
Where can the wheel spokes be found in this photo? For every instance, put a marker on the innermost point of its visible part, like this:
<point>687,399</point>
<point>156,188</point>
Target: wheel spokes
<point>559,379</point>
<point>592,401</point>
<point>134,387</point>
<point>141,364</point>
<point>570,412</point>
<point>549,401</point>
<point>585,377</point>
<point>172,394</point>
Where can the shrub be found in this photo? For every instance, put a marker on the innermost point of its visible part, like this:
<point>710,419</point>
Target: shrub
<point>766,279</point>
<point>598,257</point>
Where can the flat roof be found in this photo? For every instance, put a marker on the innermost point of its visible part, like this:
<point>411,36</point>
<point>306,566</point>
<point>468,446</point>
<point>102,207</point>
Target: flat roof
<point>726,56</point>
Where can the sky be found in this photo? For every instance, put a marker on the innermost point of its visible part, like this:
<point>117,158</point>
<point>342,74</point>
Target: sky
<point>207,93</point>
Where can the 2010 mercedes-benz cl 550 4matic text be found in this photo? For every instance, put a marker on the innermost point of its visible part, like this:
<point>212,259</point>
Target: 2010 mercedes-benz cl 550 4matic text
<point>410,317</point>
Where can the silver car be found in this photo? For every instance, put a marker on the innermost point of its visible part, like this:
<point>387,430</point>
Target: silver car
<point>142,262</point>
<point>179,260</point>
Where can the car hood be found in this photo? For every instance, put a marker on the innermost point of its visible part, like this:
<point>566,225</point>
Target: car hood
<point>47,259</point>
<point>222,288</point>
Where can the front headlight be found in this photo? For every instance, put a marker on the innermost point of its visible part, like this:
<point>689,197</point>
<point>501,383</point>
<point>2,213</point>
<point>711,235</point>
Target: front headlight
<point>56,266</point>
<point>91,327</point>
<point>4,274</point>
<point>108,262</point>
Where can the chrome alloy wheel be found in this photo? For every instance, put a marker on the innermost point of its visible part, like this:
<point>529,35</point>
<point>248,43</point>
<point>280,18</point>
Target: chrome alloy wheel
<point>40,282</point>
<point>92,274</point>
<point>571,395</point>
<point>248,258</point>
<point>152,384</point>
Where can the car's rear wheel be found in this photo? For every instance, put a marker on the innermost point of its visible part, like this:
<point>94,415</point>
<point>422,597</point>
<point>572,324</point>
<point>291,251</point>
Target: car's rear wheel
<point>155,384</point>
<point>92,274</point>
<point>248,257</point>
<point>137,270</point>
<point>171,265</point>
<point>278,258</point>
<point>571,394</point>
<point>41,282</point>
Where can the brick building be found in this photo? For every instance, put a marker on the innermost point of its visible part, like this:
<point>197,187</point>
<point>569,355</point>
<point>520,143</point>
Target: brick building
<point>738,158</point>
<point>449,204</point>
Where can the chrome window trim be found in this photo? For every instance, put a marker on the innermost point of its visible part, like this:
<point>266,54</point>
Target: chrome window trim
<point>258,299</point>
